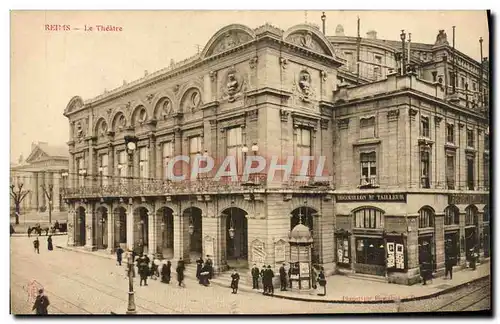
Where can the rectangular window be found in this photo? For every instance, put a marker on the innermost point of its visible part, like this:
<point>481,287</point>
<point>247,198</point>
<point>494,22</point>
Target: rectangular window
<point>462,82</point>
<point>450,133</point>
<point>368,169</point>
<point>194,150</point>
<point>303,149</point>
<point>104,169</point>
<point>167,154</point>
<point>486,142</point>
<point>486,171</point>
<point>80,162</point>
<point>424,127</point>
<point>367,127</point>
<point>474,86</point>
<point>470,138</point>
<point>143,163</point>
<point>450,171</point>
<point>425,168</point>
<point>470,173</point>
<point>122,165</point>
<point>350,61</point>
<point>234,143</point>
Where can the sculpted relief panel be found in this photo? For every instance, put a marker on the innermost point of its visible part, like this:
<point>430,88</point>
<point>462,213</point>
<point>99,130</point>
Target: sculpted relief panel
<point>306,39</point>
<point>230,39</point>
<point>232,84</point>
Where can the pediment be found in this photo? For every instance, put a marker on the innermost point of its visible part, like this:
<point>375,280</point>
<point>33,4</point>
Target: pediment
<point>74,104</point>
<point>309,37</point>
<point>36,154</point>
<point>227,38</point>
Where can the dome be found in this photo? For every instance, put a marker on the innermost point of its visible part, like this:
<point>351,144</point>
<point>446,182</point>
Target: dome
<point>339,31</point>
<point>301,234</point>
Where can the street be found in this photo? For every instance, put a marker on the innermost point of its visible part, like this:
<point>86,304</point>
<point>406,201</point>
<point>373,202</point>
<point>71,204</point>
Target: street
<point>78,283</point>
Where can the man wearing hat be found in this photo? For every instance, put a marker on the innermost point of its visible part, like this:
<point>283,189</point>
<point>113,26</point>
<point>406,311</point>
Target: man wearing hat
<point>270,276</point>
<point>41,303</point>
<point>255,277</point>
<point>283,277</point>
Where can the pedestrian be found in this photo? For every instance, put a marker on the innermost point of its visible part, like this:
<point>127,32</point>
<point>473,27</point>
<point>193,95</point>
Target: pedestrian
<point>448,268</point>
<point>283,275</point>
<point>210,267</point>
<point>263,278</point>
<point>165,272</point>
<point>235,279</point>
<point>255,277</point>
<point>143,266</point>
<point>180,272</point>
<point>50,247</point>
<point>41,303</point>
<point>473,257</point>
<point>199,265</point>
<point>154,269</point>
<point>29,231</point>
<point>205,275</point>
<point>12,230</point>
<point>270,276</point>
<point>56,225</point>
<point>322,281</point>
<point>314,275</point>
<point>46,231</point>
<point>425,271</point>
<point>119,255</point>
<point>36,245</point>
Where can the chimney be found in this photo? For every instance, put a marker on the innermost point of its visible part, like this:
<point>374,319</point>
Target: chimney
<point>372,34</point>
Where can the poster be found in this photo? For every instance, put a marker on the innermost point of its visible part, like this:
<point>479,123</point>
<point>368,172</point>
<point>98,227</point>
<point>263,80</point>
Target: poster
<point>346,251</point>
<point>400,261</point>
<point>304,269</point>
<point>258,253</point>
<point>391,262</point>
<point>279,252</point>
<point>340,255</point>
<point>209,246</point>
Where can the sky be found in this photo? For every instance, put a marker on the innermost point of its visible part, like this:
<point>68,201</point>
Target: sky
<point>48,68</point>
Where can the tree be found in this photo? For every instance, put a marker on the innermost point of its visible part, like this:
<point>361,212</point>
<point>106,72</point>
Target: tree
<point>18,197</point>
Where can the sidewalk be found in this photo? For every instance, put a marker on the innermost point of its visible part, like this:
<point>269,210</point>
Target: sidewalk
<point>346,290</point>
<point>34,235</point>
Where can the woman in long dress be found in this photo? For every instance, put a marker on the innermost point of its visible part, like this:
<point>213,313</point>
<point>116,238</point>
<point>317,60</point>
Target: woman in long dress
<point>50,247</point>
<point>166,272</point>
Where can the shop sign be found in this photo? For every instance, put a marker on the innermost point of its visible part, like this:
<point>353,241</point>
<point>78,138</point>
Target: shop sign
<point>381,197</point>
<point>468,199</point>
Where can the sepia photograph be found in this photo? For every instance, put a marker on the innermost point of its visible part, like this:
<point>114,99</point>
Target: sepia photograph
<point>245,162</point>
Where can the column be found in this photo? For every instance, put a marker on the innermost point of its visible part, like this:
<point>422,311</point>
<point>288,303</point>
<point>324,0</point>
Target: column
<point>34,193</point>
<point>130,227</point>
<point>41,193</point>
<point>56,180</point>
<point>111,168</point>
<point>90,220</point>
<point>152,246</point>
<point>181,249</point>
<point>152,157</point>
<point>439,242</point>
<point>462,243</point>
<point>71,226</point>
<point>111,229</point>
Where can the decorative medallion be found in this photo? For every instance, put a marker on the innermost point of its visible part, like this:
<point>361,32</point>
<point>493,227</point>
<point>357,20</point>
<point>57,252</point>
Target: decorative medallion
<point>233,85</point>
<point>103,129</point>
<point>303,87</point>
<point>166,108</point>
<point>121,122</point>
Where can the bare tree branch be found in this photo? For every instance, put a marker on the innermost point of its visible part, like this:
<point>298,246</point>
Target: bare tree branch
<point>24,195</point>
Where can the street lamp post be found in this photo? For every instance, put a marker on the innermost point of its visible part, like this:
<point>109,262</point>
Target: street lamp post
<point>131,144</point>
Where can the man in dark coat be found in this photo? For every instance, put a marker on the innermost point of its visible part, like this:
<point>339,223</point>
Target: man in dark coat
<point>255,277</point>
<point>270,276</point>
<point>41,303</point>
<point>205,275</point>
<point>199,265</point>
<point>56,225</point>
<point>210,267</point>
<point>283,277</point>
<point>36,245</point>
<point>448,264</point>
<point>180,272</point>
<point>143,269</point>
<point>322,281</point>
<point>235,279</point>
<point>264,280</point>
<point>119,255</point>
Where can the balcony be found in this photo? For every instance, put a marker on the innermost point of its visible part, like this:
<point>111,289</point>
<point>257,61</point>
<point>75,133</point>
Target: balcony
<point>146,187</point>
<point>297,182</point>
<point>368,182</point>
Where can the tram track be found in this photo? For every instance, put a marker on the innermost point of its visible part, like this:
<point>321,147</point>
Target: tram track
<point>466,300</point>
<point>111,290</point>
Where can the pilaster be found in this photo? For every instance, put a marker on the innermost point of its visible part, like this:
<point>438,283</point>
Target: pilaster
<point>111,229</point>
<point>90,221</point>
<point>439,242</point>
<point>152,237</point>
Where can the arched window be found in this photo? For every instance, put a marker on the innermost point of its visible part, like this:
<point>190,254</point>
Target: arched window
<point>471,215</point>
<point>426,217</point>
<point>486,214</point>
<point>368,217</point>
<point>451,215</point>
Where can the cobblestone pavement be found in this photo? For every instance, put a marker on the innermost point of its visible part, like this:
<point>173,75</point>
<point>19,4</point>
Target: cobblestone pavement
<point>78,283</point>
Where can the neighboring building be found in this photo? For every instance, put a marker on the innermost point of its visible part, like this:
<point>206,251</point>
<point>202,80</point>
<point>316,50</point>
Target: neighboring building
<point>45,166</point>
<point>281,93</point>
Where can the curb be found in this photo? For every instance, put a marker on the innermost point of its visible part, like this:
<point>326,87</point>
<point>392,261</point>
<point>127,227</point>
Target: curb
<point>327,301</point>
<point>34,235</point>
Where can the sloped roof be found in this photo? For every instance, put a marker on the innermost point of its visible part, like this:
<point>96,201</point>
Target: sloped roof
<point>55,150</point>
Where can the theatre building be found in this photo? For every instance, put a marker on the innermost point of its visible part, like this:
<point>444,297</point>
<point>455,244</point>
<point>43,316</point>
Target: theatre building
<point>264,92</point>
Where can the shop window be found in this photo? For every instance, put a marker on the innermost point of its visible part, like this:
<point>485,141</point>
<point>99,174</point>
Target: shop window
<point>471,216</point>
<point>426,217</point>
<point>450,133</point>
<point>370,251</point>
<point>451,216</point>
<point>369,218</point>
<point>367,127</point>
<point>368,169</point>
<point>424,126</point>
